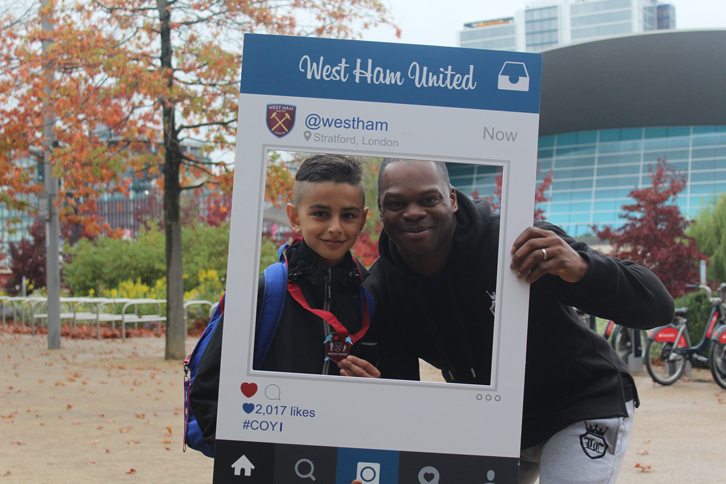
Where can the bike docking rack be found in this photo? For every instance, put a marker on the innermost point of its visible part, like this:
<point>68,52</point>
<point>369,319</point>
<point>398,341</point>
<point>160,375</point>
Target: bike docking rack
<point>630,346</point>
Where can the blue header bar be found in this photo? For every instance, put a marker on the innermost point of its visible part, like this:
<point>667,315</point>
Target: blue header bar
<point>391,73</point>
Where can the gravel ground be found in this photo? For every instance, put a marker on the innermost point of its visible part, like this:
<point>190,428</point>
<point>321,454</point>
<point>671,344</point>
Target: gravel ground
<point>107,411</point>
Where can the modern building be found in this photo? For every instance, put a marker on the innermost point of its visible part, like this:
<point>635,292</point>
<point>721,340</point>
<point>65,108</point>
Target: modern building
<point>610,109</point>
<point>545,25</point>
<point>116,209</point>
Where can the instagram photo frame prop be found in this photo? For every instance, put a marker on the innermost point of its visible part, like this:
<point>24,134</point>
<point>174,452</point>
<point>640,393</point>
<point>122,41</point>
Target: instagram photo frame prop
<point>454,105</point>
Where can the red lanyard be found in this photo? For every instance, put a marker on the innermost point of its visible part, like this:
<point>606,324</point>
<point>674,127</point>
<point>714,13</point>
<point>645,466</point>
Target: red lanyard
<point>341,332</point>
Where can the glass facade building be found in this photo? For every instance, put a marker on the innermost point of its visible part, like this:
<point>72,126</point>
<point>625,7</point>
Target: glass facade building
<point>594,171</point>
<point>546,27</point>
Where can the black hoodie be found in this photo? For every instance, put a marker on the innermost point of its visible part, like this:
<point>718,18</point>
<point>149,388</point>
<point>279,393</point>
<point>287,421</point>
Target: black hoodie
<point>297,346</point>
<point>572,373</point>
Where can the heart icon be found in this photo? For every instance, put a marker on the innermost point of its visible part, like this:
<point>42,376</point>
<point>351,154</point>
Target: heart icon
<point>248,389</point>
<point>248,407</point>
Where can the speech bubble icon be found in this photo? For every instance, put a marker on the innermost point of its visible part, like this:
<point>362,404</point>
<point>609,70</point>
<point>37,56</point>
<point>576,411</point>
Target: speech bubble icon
<point>272,392</point>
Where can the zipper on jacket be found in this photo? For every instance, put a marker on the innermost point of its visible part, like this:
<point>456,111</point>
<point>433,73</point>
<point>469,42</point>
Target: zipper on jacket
<point>326,307</point>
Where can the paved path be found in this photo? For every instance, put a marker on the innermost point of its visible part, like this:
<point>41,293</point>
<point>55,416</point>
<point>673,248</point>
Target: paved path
<point>112,412</point>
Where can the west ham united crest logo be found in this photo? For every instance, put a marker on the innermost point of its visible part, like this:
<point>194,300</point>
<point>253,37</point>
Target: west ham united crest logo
<point>593,441</point>
<point>280,119</point>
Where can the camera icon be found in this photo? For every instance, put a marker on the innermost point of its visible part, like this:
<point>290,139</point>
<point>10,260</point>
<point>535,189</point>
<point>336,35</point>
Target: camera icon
<point>369,472</point>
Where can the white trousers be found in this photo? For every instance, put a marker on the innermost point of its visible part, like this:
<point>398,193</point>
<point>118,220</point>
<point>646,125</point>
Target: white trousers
<point>588,452</point>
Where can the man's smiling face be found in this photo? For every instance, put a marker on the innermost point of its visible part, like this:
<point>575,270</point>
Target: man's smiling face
<point>417,208</point>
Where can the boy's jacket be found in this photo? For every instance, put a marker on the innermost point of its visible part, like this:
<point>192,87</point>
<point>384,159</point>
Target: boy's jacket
<point>298,343</point>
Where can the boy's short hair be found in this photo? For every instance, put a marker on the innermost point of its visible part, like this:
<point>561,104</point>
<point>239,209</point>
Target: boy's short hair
<point>329,168</point>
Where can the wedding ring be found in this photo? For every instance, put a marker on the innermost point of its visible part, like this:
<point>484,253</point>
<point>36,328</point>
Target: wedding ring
<point>544,253</point>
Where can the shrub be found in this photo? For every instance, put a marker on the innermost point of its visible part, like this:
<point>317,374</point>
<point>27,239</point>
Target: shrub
<point>105,262</point>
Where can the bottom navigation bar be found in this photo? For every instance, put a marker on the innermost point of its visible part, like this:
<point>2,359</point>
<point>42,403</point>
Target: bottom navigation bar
<point>263,463</point>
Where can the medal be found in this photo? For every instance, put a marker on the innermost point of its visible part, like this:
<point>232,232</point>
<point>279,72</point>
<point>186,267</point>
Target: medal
<point>335,349</point>
<point>337,345</point>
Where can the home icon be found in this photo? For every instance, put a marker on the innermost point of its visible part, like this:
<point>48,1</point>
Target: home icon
<point>243,463</point>
<point>514,77</point>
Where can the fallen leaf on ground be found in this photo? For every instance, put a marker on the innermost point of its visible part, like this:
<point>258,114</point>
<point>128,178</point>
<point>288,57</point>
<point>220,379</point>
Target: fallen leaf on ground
<point>92,442</point>
<point>140,415</point>
<point>131,471</point>
<point>69,406</point>
<point>646,441</point>
<point>125,430</point>
<point>165,441</point>
<point>91,462</point>
<point>133,442</point>
<point>643,468</point>
<point>643,452</point>
<point>17,443</point>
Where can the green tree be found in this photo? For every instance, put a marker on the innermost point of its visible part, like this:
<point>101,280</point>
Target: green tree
<point>709,230</point>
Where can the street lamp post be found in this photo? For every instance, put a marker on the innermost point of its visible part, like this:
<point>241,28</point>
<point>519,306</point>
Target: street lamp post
<point>52,227</point>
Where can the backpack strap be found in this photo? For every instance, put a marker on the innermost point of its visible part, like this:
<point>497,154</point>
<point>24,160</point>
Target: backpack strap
<point>273,302</point>
<point>366,296</point>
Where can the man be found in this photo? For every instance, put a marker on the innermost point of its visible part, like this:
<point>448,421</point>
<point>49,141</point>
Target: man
<point>435,286</point>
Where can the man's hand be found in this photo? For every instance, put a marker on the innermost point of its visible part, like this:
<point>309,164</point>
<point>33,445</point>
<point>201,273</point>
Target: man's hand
<point>354,366</point>
<point>537,252</point>
<point>357,481</point>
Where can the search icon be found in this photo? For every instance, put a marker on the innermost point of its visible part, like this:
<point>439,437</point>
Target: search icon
<point>309,474</point>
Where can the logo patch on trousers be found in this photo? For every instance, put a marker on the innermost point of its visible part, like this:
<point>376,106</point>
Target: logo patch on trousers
<point>593,441</point>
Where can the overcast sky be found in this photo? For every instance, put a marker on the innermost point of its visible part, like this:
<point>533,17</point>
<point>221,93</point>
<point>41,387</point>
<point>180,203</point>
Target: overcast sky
<point>436,22</point>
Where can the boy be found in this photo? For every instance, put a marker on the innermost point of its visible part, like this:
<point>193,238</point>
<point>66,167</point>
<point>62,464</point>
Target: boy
<point>329,211</point>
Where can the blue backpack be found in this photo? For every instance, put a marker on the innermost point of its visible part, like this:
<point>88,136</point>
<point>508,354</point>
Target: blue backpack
<point>273,303</point>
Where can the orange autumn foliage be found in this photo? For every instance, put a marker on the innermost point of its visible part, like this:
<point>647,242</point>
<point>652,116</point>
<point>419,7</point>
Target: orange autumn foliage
<point>133,80</point>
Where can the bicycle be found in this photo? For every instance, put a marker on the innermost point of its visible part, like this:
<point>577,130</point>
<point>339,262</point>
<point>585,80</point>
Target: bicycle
<point>669,347</point>
<point>717,356</point>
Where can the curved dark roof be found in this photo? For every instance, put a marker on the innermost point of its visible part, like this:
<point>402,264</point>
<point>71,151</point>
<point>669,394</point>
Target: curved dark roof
<point>668,78</point>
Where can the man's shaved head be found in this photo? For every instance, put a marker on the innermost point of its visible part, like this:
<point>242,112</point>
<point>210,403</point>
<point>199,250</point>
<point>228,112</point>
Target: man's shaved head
<point>440,168</point>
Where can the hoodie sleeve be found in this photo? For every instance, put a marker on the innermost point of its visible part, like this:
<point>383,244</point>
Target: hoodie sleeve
<point>615,289</point>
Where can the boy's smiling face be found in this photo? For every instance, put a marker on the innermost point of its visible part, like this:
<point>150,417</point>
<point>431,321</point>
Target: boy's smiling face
<point>330,217</point>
